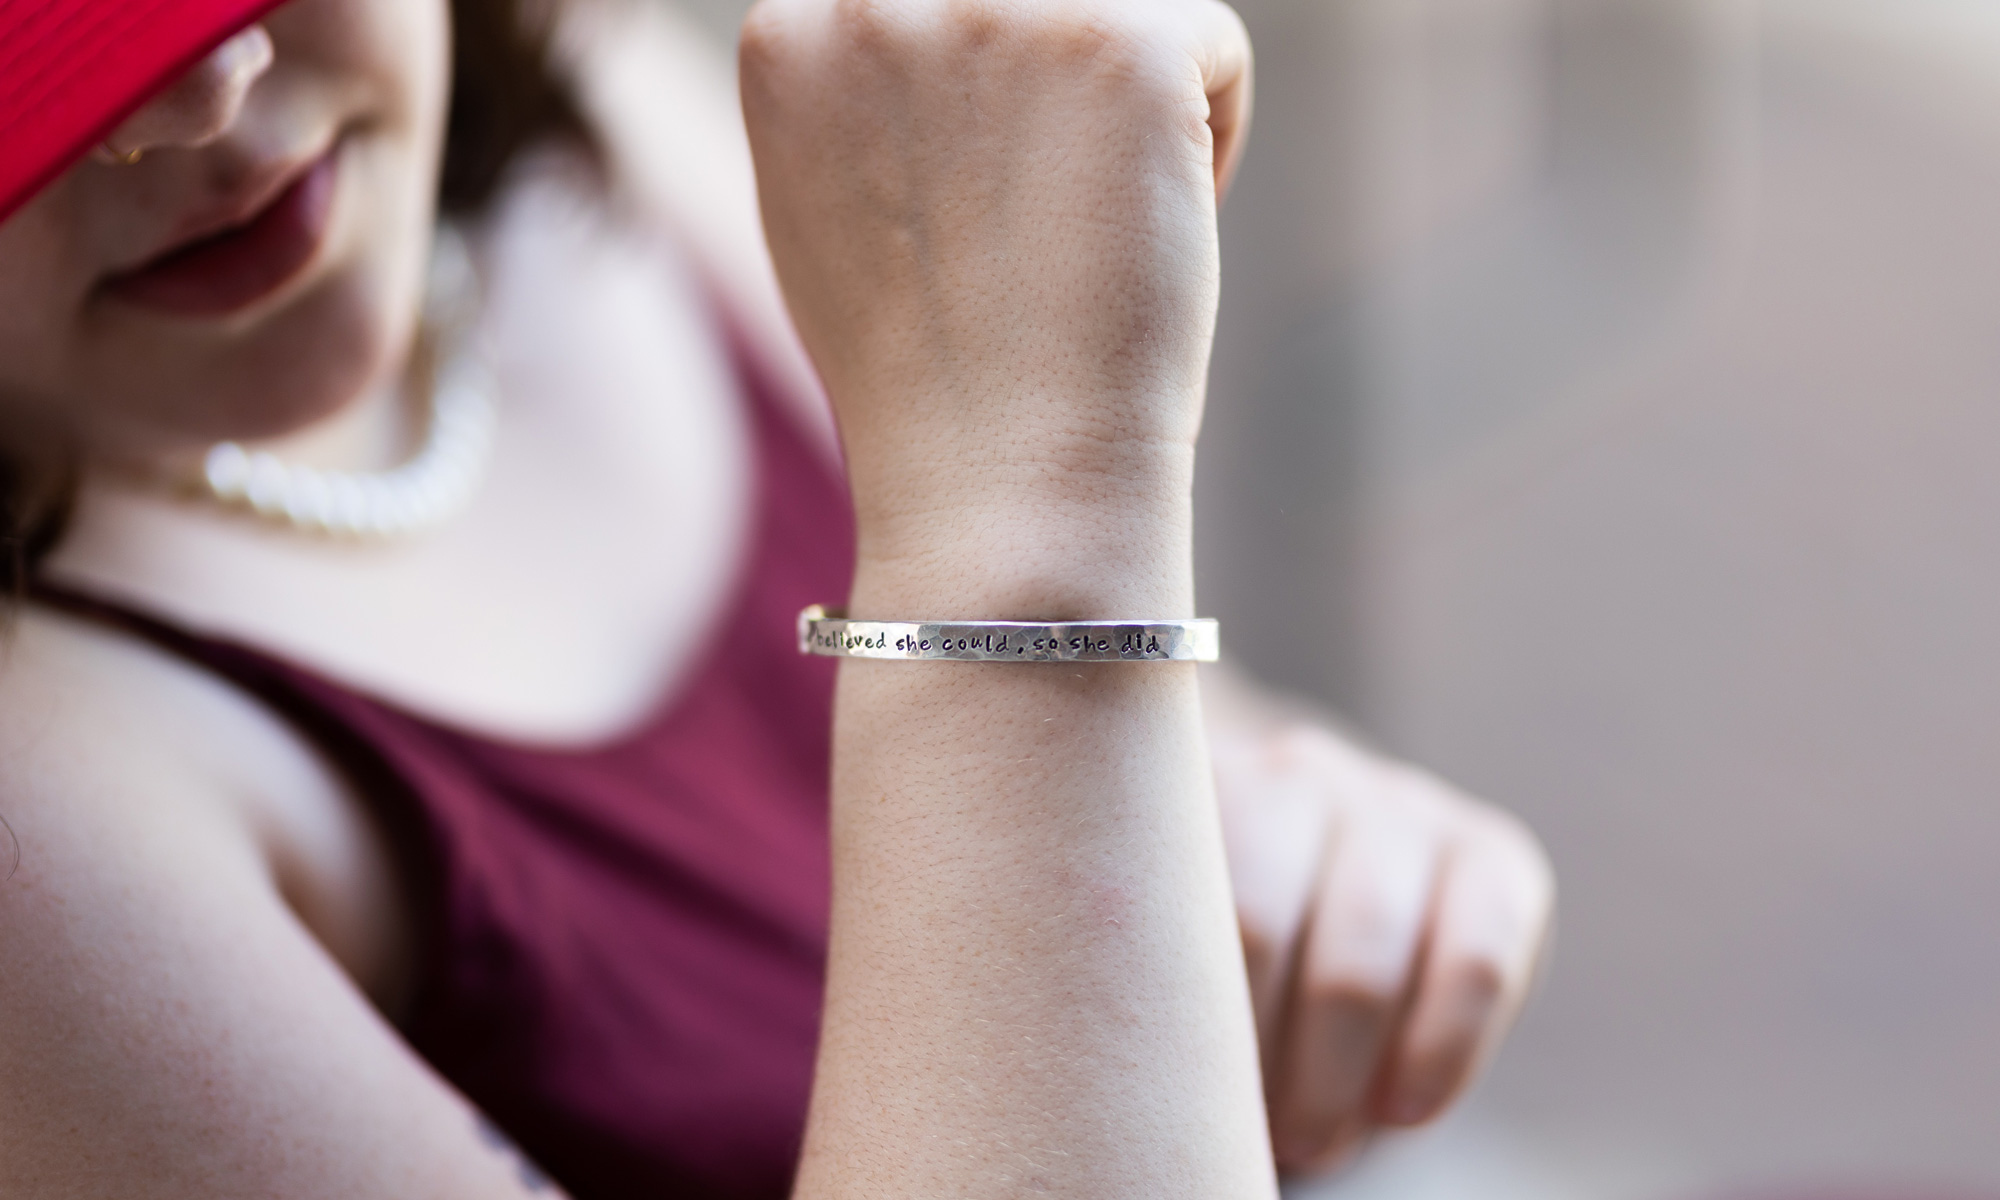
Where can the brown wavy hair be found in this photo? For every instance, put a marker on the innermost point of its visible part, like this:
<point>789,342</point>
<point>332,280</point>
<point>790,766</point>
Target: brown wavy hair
<point>506,96</point>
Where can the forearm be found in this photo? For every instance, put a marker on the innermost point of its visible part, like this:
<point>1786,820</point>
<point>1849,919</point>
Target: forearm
<point>995,224</point>
<point>1036,981</point>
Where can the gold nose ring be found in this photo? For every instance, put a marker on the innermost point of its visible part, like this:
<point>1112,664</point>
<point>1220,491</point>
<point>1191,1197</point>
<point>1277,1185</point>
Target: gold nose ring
<point>122,158</point>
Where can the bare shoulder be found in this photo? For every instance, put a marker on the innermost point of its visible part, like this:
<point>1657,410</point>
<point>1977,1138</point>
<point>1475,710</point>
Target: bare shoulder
<point>110,747</point>
<point>169,1025</point>
<point>95,721</point>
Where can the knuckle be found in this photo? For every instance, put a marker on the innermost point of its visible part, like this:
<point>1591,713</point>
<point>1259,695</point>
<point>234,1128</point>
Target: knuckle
<point>870,22</point>
<point>760,34</point>
<point>1423,792</point>
<point>1095,34</point>
<point>767,24</point>
<point>1473,984</point>
<point>1381,888</point>
<point>767,38</point>
<point>1429,1082</point>
<point>1309,1114</point>
<point>1517,857</point>
<point>1109,39</point>
<point>1063,37</point>
<point>1349,777</point>
<point>980,22</point>
<point>1441,1064</point>
<point>1371,922</point>
<point>1520,840</point>
<point>1345,988</point>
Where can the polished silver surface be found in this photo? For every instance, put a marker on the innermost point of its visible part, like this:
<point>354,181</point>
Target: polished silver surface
<point>834,636</point>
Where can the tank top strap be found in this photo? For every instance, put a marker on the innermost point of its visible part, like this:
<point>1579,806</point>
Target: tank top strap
<point>258,673</point>
<point>335,721</point>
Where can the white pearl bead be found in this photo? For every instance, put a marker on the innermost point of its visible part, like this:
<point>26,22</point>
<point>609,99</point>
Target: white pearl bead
<point>433,485</point>
<point>227,469</point>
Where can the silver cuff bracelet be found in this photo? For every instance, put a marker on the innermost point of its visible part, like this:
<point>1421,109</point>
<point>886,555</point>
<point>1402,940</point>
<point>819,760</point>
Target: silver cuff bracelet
<point>834,636</point>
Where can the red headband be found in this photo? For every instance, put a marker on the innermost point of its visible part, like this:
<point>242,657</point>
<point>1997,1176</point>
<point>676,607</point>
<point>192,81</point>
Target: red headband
<point>72,70</point>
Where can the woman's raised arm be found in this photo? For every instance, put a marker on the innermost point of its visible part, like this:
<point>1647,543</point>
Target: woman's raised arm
<point>995,223</point>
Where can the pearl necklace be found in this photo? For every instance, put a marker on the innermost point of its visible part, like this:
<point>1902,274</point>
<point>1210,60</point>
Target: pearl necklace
<point>432,486</point>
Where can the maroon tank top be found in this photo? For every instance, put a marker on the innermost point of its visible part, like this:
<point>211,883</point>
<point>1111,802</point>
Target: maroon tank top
<point>625,944</point>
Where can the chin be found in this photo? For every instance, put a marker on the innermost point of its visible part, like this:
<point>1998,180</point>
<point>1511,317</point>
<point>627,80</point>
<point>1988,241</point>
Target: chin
<point>342,339</point>
<point>344,330</point>
<point>167,384</point>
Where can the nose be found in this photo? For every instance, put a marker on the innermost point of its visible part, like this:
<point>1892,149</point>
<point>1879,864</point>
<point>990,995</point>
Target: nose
<point>203,104</point>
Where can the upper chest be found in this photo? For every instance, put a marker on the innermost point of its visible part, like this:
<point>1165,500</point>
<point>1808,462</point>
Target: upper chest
<point>603,542</point>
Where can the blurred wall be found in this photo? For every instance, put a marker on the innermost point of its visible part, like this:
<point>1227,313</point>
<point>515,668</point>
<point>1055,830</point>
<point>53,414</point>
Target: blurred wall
<point>1620,383</point>
<point>1607,412</point>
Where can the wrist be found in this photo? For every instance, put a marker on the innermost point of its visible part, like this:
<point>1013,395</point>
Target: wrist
<point>1036,552</point>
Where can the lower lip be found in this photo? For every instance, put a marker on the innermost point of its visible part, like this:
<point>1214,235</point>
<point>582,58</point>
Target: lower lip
<point>230,272</point>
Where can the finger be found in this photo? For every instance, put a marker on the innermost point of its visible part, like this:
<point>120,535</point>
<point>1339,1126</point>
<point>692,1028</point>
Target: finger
<point>1355,972</point>
<point>1493,908</point>
<point>1228,76</point>
<point>1275,824</point>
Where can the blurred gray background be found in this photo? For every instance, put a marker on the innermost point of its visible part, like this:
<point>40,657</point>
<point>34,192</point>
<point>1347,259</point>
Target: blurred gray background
<point>1607,413</point>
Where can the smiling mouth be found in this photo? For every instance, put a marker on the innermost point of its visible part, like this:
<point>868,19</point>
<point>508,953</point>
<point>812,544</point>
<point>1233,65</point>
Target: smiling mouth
<point>231,270</point>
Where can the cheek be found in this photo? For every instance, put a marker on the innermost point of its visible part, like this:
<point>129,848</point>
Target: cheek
<point>348,331</point>
<point>306,365</point>
<point>355,327</point>
<point>43,287</point>
<point>398,50</point>
<point>352,329</point>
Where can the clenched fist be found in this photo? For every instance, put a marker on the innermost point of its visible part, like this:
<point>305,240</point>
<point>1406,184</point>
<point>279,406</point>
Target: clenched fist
<point>1391,925</point>
<point>995,224</point>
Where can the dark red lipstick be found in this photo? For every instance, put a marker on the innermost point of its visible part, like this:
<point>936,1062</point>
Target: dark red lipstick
<point>228,271</point>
